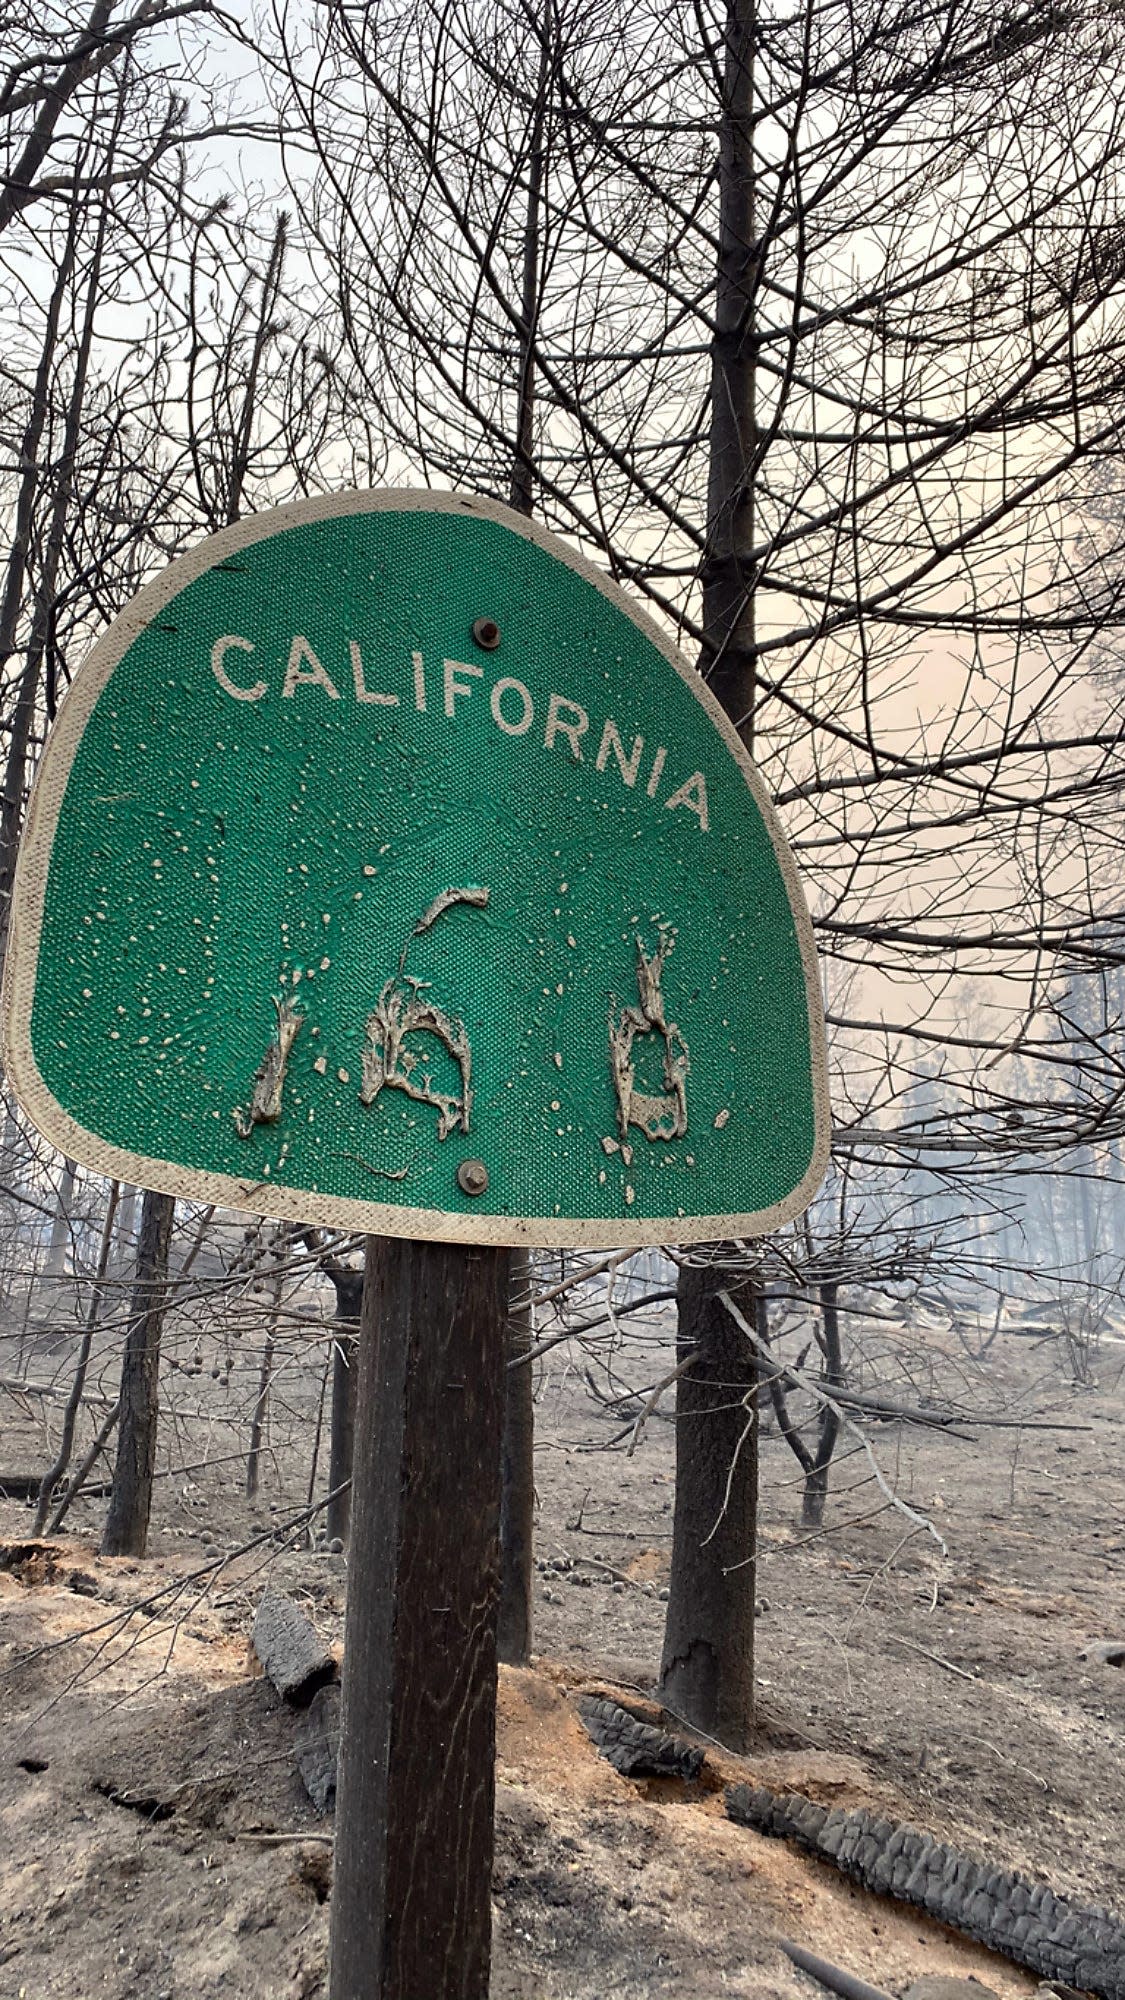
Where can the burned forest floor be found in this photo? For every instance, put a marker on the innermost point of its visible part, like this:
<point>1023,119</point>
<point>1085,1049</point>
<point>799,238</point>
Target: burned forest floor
<point>159,1842</point>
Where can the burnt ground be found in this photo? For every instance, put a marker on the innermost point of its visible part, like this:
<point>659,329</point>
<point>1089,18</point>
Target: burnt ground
<point>146,1769</point>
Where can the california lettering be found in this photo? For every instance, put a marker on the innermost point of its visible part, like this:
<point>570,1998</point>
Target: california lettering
<point>560,725</point>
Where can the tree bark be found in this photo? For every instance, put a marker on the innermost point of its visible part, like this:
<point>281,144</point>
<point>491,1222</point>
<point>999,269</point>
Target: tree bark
<point>345,1369</point>
<point>87,55</point>
<point>54,1269</point>
<point>816,1480</point>
<point>28,681</point>
<point>517,1481</point>
<point>241,442</point>
<point>521,493</point>
<point>708,1665</point>
<point>517,1491</point>
<point>15,574</point>
<point>728,656</point>
<point>83,1470</point>
<point>261,1408</point>
<point>126,1231</point>
<point>411,1896</point>
<point>70,1417</point>
<point>707,1670</point>
<point>130,1504</point>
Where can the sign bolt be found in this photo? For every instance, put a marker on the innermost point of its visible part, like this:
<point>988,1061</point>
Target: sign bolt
<point>472,1177</point>
<point>486,633</point>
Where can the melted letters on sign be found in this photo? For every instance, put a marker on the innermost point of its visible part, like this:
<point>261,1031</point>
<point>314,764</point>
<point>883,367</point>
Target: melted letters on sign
<point>660,1116</point>
<point>404,1008</point>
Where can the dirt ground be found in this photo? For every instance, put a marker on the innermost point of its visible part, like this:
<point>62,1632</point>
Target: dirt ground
<point>146,1768</point>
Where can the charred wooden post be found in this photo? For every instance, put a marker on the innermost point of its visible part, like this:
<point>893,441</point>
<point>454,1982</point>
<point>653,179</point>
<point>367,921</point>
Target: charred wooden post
<point>411,1904</point>
<point>517,1489</point>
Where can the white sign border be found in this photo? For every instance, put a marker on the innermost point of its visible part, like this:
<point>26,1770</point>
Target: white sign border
<point>295,1204</point>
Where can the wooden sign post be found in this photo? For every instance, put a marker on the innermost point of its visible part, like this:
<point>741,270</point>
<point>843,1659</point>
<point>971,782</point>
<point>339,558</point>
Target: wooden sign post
<point>411,1902</point>
<point>388,869</point>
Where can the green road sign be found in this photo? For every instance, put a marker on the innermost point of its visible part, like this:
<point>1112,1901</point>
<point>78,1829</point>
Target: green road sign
<point>388,868</point>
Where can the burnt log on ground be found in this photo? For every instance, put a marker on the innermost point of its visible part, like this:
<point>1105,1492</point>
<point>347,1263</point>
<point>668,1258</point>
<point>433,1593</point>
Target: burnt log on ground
<point>293,1654</point>
<point>28,1485</point>
<point>20,1485</point>
<point>318,1748</point>
<point>637,1749</point>
<point>1081,1946</point>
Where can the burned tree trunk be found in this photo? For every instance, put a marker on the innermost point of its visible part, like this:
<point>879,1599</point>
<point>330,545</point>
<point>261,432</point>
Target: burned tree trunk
<point>62,1224</point>
<point>778,1382</point>
<point>126,1528</point>
<point>707,1670</point>
<point>517,1459</point>
<point>345,1363</point>
<point>708,1666</point>
<point>728,658</point>
<point>29,682</point>
<point>15,579</point>
<point>66,1443</point>
<point>816,1478</point>
<point>260,1416</point>
<point>348,1286</point>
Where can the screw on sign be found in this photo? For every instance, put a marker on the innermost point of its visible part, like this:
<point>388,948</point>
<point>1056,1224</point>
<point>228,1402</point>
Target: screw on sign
<point>387,868</point>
